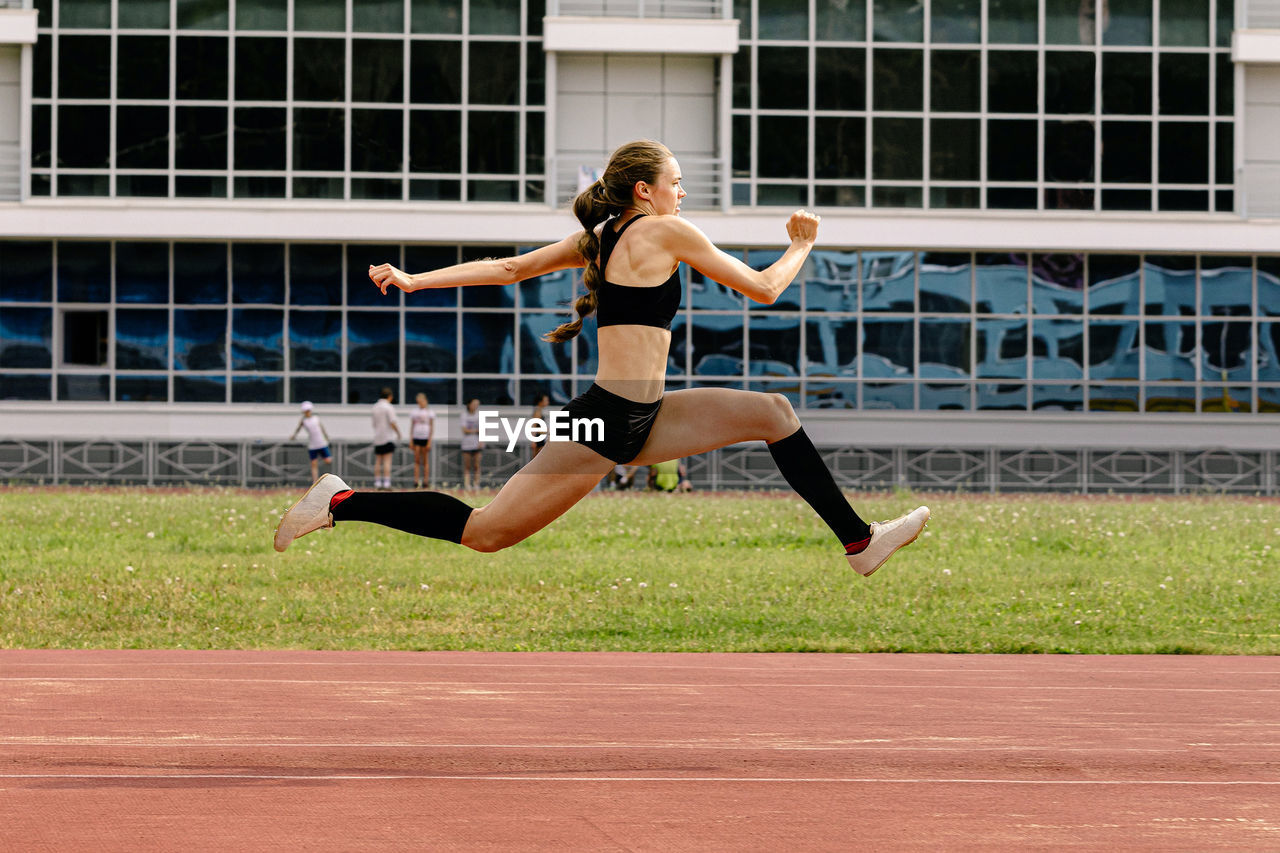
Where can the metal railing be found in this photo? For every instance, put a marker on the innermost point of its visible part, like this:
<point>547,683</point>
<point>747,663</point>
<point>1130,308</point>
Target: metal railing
<point>637,8</point>
<point>260,465</point>
<point>1261,14</point>
<point>702,180</point>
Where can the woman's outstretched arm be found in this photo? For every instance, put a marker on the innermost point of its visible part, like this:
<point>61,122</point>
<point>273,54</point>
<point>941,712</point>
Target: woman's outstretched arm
<point>694,248</point>
<point>557,256</point>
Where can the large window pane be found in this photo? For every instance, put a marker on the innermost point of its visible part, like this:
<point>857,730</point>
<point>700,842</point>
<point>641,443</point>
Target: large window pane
<point>199,389</point>
<point>315,274</point>
<point>955,150</point>
<point>142,272</point>
<point>373,341</point>
<point>84,272</point>
<point>888,281</point>
<point>1129,22</point>
<point>1068,82</point>
<point>1114,284</point>
<point>83,136</point>
<point>199,339</point>
<point>1057,283</point>
<point>944,349</point>
<point>260,138</point>
<point>897,20</point>
<point>257,273</point>
<point>897,79</point>
<point>26,271</point>
<point>142,339</point>
<point>831,346</point>
<point>84,67</point>
<point>319,66</point>
<point>142,67</point>
<point>430,342</point>
<point>716,343</point>
<point>1068,151</point>
<point>1001,348</point>
<point>202,68</point>
<point>840,148</point>
<point>1184,84</point>
<point>1113,349</point>
<point>320,15</point>
<point>488,342</point>
<point>780,152</point>
<point>377,71</point>
<point>495,17</point>
<point>261,15</point>
<point>1057,349</point>
<point>376,141</point>
<point>26,337</point>
<point>200,138</point>
<point>142,137</point>
<point>82,13</point>
<point>1126,151</point>
<point>783,19</point>
<point>1185,22</point>
<point>1000,282</point>
<point>840,78</point>
<point>202,14</point>
<point>435,72</point>
<point>200,273</point>
<point>774,344</point>
<point>257,389</point>
<point>1226,285</point>
<point>1126,83</point>
<point>1012,21</point>
<point>494,145</point>
<point>142,389</point>
<point>945,282</point>
<point>956,21</point>
<point>1170,351</point>
<point>261,69</point>
<point>1008,73</point>
<point>1184,152</point>
<point>840,20</point>
<point>378,16</point>
<point>897,148</point>
<point>318,140</point>
<point>257,339</point>
<point>360,289</point>
<point>888,349</point>
<point>782,78</point>
<point>495,73</point>
<point>435,141</point>
<point>315,340</point>
<point>955,81</point>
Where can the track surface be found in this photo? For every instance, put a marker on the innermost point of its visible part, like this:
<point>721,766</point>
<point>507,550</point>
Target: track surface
<point>359,751</point>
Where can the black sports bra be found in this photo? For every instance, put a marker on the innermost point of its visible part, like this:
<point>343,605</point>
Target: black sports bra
<point>629,305</point>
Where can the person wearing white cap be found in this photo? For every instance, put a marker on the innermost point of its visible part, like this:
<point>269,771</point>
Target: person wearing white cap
<point>317,441</point>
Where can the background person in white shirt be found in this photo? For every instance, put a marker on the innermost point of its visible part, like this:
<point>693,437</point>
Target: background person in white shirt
<point>423,421</point>
<point>385,434</point>
<point>317,439</point>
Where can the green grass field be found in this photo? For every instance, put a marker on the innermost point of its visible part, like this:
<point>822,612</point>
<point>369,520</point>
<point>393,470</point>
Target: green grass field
<point>129,568</point>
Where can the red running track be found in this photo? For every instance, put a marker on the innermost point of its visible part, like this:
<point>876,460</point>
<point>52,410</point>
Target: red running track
<point>361,751</point>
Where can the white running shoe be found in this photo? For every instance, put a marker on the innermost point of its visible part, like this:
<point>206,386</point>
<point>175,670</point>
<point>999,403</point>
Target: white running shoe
<point>311,512</point>
<point>886,538</point>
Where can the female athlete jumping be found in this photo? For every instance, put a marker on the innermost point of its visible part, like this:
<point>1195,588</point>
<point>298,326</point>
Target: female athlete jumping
<point>630,246</point>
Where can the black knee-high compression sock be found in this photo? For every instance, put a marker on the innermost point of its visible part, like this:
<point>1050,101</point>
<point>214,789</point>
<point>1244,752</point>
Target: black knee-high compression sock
<point>802,467</point>
<point>432,514</point>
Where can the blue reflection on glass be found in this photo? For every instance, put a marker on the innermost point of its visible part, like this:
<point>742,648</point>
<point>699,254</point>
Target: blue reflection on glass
<point>888,395</point>
<point>200,273</point>
<point>257,339</point>
<point>488,342</point>
<point>1171,397</point>
<point>1169,350</point>
<point>888,348</point>
<point>832,282</point>
<point>84,272</point>
<point>944,349</point>
<point>1001,283</point>
<point>360,288</point>
<point>425,259</point>
<point>199,389</point>
<point>1113,398</point>
<point>317,389</point>
<point>1269,286</point>
<point>1227,351</point>
<point>1005,395</point>
<point>440,392</point>
<point>490,392</point>
<point>716,344</point>
<point>888,281</point>
<point>430,342</point>
<point>831,346</point>
<point>373,341</point>
<point>1115,284</point>
<point>1057,349</point>
<point>553,290</point>
<point>951,396</point>
<point>257,273</point>
<point>79,386</point>
<point>1226,286</point>
<point>142,272</point>
<point>822,394</point>
<point>1171,285</point>
<point>1002,348</point>
<point>26,271</point>
<point>945,282</point>
<point>315,274</point>
<point>678,352</point>
<point>1057,284</point>
<point>1057,398</point>
<point>704,293</point>
<point>537,355</point>
<point>587,349</point>
<point>1269,398</point>
<point>1226,399</point>
<point>257,389</point>
<point>25,386</point>
<point>774,344</point>
<point>199,339</point>
<point>142,339</point>
<point>1113,349</point>
<point>1269,352</point>
<point>142,389</point>
<point>488,296</point>
<point>315,340</point>
<point>26,337</point>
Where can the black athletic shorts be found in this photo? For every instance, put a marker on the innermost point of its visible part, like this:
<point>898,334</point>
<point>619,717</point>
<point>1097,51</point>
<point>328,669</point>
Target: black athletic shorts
<point>626,422</point>
<point>384,449</point>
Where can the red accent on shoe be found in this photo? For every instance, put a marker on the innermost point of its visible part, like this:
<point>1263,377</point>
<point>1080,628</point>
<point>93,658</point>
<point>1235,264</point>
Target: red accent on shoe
<point>857,547</point>
<point>339,498</point>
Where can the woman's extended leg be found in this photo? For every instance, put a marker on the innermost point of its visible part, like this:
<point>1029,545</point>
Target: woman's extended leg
<point>701,419</point>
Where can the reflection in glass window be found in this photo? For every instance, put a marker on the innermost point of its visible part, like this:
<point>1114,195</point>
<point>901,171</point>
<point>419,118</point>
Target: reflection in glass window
<point>945,282</point>
<point>26,337</point>
<point>1113,349</point>
<point>488,342</point>
<point>1001,283</point>
<point>897,21</point>
<point>430,342</point>
<point>1114,398</point>
<point>199,389</point>
<point>315,340</point>
<point>373,341</point>
<point>1170,284</point>
<point>944,349</point>
<point>257,389</point>
<point>1168,351</point>
<point>142,339</point>
<point>26,270</point>
<point>315,274</point>
<point>783,19</point>
<point>360,288</point>
<point>1057,284</point>
<point>1115,284</point>
<point>840,78</point>
<point>257,273</point>
<point>317,389</point>
<point>1226,286</point>
<point>1057,349</point>
<point>831,346</point>
<point>888,348</point>
<point>831,395</point>
<point>537,355</point>
<point>200,273</point>
<point>1227,350</point>
<point>1009,396</point>
<point>201,73</point>
<point>260,139</point>
<point>944,396</point>
<point>553,290</point>
<point>79,386</point>
<point>199,339</point>
<point>831,281</point>
<point>888,281</point>
<point>1268,352</point>
<point>440,392</point>
<point>142,66</point>
<point>257,339</point>
<point>1001,348</point>
<point>888,395</point>
<point>84,272</point>
<point>424,259</point>
<point>318,142</point>
<point>320,15</point>
<point>716,345</point>
<point>1054,398</point>
<point>142,389</point>
<point>774,345</point>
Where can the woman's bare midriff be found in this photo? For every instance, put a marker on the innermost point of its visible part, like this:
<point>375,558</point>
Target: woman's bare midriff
<point>633,361</point>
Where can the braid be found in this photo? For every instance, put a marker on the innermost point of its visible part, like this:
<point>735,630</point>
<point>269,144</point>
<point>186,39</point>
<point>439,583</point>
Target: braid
<point>609,196</point>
